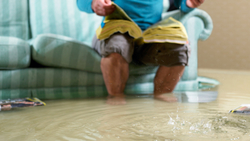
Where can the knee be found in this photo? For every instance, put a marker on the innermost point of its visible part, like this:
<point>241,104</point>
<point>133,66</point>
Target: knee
<point>118,46</point>
<point>115,59</point>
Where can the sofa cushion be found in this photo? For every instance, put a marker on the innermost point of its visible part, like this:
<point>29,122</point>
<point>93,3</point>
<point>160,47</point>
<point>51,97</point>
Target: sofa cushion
<point>14,18</point>
<point>87,91</point>
<point>62,17</point>
<point>49,83</point>
<point>14,53</point>
<point>58,78</point>
<point>60,51</point>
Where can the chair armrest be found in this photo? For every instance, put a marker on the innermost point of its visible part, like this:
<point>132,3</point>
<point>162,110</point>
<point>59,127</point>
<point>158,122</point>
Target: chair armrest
<point>183,18</point>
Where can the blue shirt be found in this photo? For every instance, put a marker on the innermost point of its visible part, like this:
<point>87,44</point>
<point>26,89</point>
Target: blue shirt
<point>143,12</point>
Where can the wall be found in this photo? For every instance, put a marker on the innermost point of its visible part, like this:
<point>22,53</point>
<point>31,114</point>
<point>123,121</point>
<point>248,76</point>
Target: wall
<point>229,45</point>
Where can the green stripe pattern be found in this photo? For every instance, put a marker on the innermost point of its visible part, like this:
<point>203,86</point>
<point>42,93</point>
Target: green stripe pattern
<point>60,51</point>
<point>14,18</point>
<point>87,91</point>
<point>14,53</point>
<point>48,83</point>
<point>56,77</point>
<point>62,17</point>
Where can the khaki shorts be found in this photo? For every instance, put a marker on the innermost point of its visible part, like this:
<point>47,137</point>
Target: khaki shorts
<point>155,54</point>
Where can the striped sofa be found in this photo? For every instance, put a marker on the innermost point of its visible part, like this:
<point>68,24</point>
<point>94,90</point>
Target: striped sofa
<point>57,36</point>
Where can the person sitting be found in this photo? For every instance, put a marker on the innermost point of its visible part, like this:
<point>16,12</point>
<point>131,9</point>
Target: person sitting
<point>119,50</point>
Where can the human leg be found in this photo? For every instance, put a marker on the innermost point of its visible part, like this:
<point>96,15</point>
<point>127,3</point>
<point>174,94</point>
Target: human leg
<point>171,59</point>
<point>165,81</point>
<point>116,55</point>
<point>115,72</point>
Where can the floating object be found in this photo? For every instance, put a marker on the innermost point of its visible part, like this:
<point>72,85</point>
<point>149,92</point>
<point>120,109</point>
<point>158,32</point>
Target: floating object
<point>6,105</point>
<point>242,109</point>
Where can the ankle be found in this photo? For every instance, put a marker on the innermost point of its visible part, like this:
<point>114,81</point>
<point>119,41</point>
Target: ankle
<point>158,94</point>
<point>116,95</point>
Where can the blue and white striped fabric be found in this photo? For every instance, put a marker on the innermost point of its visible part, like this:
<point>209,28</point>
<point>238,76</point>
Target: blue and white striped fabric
<point>60,51</point>
<point>56,77</point>
<point>90,91</point>
<point>62,17</point>
<point>14,53</point>
<point>14,18</point>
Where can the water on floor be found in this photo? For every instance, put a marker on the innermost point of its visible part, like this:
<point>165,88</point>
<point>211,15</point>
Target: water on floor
<point>196,116</point>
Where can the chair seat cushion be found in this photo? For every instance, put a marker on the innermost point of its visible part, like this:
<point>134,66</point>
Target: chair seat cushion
<point>64,52</point>
<point>14,53</point>
<point>56,78</point>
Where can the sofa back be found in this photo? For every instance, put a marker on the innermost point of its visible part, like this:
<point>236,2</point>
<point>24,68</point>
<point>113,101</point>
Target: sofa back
<point>14,18</point>
<point>64,18</point>
<point>19,18</point>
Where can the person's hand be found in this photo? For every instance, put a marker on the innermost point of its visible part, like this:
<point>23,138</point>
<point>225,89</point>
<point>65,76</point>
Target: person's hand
<point>102,7</point>
<point>194,3</point>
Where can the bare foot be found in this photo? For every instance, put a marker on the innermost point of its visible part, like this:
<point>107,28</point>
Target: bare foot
<point>116,100</point>
<point>165,97</point>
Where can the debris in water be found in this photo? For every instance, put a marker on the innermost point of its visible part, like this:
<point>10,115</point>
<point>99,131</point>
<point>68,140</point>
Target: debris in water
<point>6,105</point>
<point>242,109</point>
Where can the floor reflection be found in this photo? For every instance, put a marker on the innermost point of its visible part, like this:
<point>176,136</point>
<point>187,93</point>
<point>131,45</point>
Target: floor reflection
<point>196,96</point>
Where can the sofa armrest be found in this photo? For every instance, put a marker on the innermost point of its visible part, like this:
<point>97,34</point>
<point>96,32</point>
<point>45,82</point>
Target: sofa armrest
<point>183,18</point>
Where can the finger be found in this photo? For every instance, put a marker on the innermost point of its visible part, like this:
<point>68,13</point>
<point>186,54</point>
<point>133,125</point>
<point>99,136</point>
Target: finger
<point>104,5</point>
<point>100,12</point>
<point>108,2</point>
<point>196,3</point>
<point>109,11</point>
<point>201,1</point>
<point>192,3</point>
<point>103,12</point>
<point>108,6</point>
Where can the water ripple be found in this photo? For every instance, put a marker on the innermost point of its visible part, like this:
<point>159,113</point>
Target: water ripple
<point>140,119</point>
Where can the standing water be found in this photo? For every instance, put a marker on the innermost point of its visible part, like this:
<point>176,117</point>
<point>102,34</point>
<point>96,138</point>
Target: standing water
<point>196,116</point>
